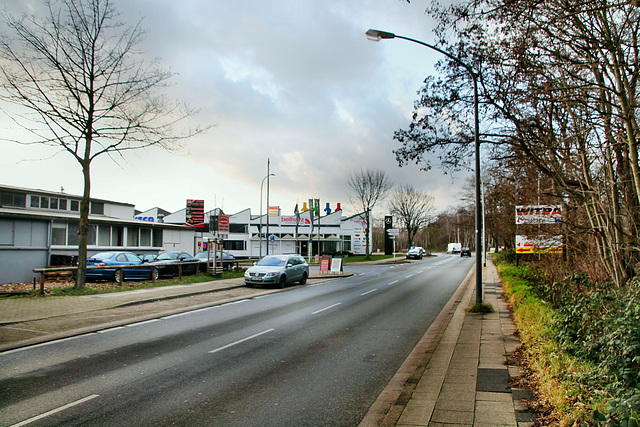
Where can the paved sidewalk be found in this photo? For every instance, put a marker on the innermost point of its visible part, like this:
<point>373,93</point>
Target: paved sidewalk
<point>458,373</point>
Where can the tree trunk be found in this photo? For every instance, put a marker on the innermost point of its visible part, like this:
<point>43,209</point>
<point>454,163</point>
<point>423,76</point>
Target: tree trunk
<point>83,229</point>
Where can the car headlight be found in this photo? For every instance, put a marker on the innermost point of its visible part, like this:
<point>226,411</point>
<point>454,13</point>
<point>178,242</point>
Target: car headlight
<point>246,274</point>
<point>271,275</point>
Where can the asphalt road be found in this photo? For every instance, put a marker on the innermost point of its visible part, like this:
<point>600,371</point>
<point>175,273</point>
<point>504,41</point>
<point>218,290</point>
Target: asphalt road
<point>312,355</point>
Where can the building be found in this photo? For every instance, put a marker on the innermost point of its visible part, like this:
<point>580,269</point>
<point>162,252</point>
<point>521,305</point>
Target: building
<point>40,228</point>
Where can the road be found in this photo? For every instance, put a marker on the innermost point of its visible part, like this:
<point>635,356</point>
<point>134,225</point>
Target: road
<point>311,355</point>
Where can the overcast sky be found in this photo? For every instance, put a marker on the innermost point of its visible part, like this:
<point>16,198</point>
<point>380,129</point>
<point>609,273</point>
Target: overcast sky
<point>293,81</point>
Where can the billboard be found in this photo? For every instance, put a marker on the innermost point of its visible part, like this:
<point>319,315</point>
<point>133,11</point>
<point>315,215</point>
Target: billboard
<point>195,213</point>
<point>539,214</point>
<point>538,244</point>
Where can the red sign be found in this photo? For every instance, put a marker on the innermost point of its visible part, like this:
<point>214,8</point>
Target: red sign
<point>223,223</point>
<point>324,264</point>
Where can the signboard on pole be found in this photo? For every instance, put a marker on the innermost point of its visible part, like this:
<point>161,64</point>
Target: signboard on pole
<point>538,244</point>
<point>195,213</point>
<point>223,223</point>
<point>539,214</point>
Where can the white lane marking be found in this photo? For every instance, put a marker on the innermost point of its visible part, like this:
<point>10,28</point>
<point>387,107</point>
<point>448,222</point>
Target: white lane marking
<point>142,323</point>
<point>62,408</point>
<point>368,292</point>
<point>410,275</point>
<point>393,283</point>
<point>105,331</point>
<point>326,308</point>
<point>241,341</point>
<point>233,302</point>
<point>16,350</point>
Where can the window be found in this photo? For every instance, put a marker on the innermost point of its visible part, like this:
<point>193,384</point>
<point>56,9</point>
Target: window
<point>59,234</point>
<point>234,245</point>
<point>104,235</point>
<point>72,233</point>
<point>238,228</point>
<point>157,238</point>
<point>53,203</point>
<point>91,237</point>
<point>11,199</point>
<point>63,205</point>
<point>133,236</point>
<point>117,236</point>
<point>44,202</point>
<point>145,237</point>
<point>97,208</point>
<point>35,201</point>
<point>75,205</point>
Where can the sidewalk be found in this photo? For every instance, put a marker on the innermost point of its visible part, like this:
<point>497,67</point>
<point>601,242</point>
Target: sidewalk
<point>458,373</point>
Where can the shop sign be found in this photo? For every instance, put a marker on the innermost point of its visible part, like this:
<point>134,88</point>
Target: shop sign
<point>539,214</point>
<point>538,244</point>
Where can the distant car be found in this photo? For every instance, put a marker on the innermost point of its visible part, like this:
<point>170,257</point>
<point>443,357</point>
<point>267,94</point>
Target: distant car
<point>277,270</point>
<point>465,252</point>
<point>148,257</point>
<point>228,260</point>
<point>415,253</point>
<point>167,263</point>
<point>118,258</point>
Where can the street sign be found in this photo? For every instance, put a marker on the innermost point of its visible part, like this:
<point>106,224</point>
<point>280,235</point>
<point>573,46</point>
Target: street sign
<point>393,231</point>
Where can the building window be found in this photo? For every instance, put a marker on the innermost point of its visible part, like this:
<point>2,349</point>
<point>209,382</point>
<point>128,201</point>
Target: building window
<point>75,205</point>
<point>59,234</point>
<point>145,237</point>
<point>157,238</point>
<point>104,235</point>
<point>133,236</point>
<point>72,233</point>
<point>14,200</point>
<point>91,237</point>
<point>234,245</point>
<point>63,205</point>
<point>44,202</point>
<point>238,228</point>
<point>97,208</point>
<point>53,203</point>
<point>35,201</point>
<point>117,236</point>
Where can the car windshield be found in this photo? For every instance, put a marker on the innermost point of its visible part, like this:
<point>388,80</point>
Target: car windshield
<point>270,261</point>
<point>167,256</point>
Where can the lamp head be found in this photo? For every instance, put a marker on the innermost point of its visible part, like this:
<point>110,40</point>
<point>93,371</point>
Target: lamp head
<point>377,35</point>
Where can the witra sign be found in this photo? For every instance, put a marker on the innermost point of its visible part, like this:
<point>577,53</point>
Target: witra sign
<point>542,214</point>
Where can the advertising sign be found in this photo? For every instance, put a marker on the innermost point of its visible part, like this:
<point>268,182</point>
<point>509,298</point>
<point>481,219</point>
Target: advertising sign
<point>195,213</point>
<point>541,214</point>
<point>538,244</point>
<point>291,220</point>
<point>223,223</point>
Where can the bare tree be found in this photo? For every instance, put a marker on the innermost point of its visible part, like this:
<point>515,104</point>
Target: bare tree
<point>413,208</point>
<point>369,187</point>
<point>77,82</point>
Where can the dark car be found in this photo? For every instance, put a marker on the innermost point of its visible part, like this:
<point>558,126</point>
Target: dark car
<point>148,257</point>
<point>228,260</point>
<point>168,263</point>
<point>415,253</point>
<point>115,259</point>
<point>465,252</point>
<point>277,270</point>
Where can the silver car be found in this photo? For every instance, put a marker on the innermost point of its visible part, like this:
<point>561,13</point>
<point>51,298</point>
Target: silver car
<point>278,270</point>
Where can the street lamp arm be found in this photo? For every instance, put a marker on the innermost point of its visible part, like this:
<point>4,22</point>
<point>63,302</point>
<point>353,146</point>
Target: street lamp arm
<point>377,35</point>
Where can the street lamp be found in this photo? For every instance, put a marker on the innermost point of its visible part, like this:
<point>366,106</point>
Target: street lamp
<point>260,231</point>
<point>376,36</point>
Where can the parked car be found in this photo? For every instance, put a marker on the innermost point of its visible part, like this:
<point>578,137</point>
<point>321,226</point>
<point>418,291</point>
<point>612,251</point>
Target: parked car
<point>277,270</point>
<point>228,260</point>
<point>465,252</point>
<point>415,252</point>
<point>118,258</point>
<point>168,263</point>
<point>148,257</point>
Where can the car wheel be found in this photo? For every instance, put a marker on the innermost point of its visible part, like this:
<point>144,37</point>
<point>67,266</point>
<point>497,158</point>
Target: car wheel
<point>303,281</point>
<point>283,282</point>
<point>117,276</point>
<point>156,273</point>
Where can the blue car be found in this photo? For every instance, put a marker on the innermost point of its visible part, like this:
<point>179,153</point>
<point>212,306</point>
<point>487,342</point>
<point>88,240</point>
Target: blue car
<point>118,258</point>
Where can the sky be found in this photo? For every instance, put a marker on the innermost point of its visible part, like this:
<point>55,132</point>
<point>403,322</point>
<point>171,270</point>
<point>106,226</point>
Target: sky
<point>291,82</point>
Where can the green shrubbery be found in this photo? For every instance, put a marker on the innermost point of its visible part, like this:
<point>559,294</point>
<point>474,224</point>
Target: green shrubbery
<point>582,341</point>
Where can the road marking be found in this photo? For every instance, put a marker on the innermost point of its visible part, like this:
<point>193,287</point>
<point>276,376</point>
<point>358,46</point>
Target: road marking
<point>241,341</point>
<point>393,283</point>
<point>105,331</point>
<point>326,308</point>
<point>142,323</point>
<point>411,275</point>
<point>44,344</point>
<point>368,292</point>
<point>54,411</point>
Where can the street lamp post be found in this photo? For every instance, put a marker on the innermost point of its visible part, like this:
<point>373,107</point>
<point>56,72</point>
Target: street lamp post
<point>376,35</point>
<point>260,231</point>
